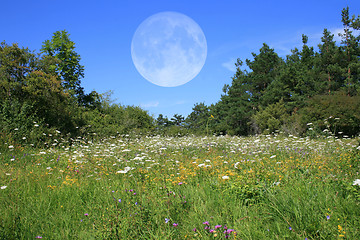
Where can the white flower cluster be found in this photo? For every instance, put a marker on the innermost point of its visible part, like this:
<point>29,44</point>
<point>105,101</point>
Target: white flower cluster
<point>356,182</point>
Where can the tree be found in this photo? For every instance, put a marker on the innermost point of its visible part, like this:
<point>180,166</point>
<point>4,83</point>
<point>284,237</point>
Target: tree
<point>198,118</point>
<point>351,52</point>
<point>15,64</point>
<point>177,119</point>
<point>233,111</point>
<point>162,121</point>
<point>264,69</point>
<point>69,68</point>
<point>327,65</point>
<point>31,91</point>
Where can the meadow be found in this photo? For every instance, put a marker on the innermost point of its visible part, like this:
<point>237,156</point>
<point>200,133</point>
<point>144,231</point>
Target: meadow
<point>129,187</point>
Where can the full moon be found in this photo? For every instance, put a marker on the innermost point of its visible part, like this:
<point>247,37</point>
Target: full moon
<point>169,49</point>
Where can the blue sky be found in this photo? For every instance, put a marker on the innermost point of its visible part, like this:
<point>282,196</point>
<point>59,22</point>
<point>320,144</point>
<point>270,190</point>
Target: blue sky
<point>103,30</point>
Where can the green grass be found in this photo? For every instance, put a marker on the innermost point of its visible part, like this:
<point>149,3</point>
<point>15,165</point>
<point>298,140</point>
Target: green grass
<point>258,187</point>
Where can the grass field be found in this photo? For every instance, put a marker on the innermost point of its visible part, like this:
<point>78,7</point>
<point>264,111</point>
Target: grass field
<point>262,187</point>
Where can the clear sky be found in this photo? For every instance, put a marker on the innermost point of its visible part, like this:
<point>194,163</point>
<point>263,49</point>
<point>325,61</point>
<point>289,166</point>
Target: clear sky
<point>103,31</point>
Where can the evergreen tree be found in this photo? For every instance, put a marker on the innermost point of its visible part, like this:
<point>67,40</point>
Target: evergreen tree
<point>198,118</point>
<point>329,75</point>
<point>351,53</point>
<point>264,69</point>
<point>177,119</point>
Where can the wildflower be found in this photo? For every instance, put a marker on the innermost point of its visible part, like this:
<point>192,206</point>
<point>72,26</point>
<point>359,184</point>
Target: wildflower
<point>328,217</point>
<point>175,224</point>
<point>126,169</point>
<point>3,187</point>
<point>167,220</point>
<point>206,223</point>
<point>119,200</point>
<point>290,228</point>
<point>356,182</point>
<point>229,231</point>
<point>340,228</point>
<point>236,164</point>
<point>86,214</point>
<point>11,146</point>
<point>225,177</point>
<point>273,156</point>
<point>38,237</point>
<point>180,183</point>
<point>217,226</point>
<point>194,229</point>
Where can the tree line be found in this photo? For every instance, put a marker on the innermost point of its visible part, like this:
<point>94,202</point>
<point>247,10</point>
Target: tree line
<point>309,92</point>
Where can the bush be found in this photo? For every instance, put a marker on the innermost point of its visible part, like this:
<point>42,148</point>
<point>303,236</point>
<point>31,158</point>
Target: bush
<point>338,114</point>
<point>271,118</point>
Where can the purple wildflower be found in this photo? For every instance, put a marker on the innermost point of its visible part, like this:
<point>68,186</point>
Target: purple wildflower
<point>175,224</point>
<point>217,226</point>
<point>229,231</point>
<point>86,214</point>
<point>207,223</point>
<point>167,220</point>
<point>328,217</point>
<point>194,229</point>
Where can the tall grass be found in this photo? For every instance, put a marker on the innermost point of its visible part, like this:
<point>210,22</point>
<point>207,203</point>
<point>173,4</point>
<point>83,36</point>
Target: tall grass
<point>182,188</point>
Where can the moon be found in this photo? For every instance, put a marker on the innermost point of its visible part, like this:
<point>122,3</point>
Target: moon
<point>169,49</point>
